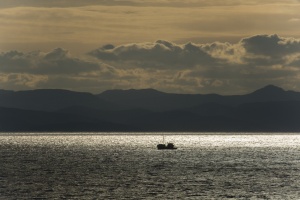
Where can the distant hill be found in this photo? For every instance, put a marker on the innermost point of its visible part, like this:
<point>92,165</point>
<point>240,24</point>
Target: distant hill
<point>18,120</point>
<point>158,101</point>
<point>51,100</point>
<point>269,109</point>
<point>148,99</point>
<point>271,116</point>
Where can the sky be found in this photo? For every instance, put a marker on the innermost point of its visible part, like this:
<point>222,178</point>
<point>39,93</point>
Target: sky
<point>192,46</point>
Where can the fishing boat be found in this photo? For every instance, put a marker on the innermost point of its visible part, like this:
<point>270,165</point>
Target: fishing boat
<point>164,146</point>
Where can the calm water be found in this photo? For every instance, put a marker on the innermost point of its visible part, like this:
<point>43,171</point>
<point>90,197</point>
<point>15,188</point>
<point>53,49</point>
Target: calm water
<point>129,167</point>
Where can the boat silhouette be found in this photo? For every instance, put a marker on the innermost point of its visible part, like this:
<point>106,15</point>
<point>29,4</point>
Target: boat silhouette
<point>164,146</point>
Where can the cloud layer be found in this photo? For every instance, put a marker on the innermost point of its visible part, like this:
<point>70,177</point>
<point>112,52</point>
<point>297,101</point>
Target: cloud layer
<point>216,67</point>
<point>175,3</point>
<point>160,54</point>
<point>83,25</point>
<point>57,61</point>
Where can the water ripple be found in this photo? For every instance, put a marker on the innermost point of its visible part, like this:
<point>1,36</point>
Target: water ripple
<point>129,167</point>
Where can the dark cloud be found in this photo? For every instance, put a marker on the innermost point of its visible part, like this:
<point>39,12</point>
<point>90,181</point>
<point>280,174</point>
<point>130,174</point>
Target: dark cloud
<point>262,59</point>
<point>269,50</point>
<point>14,61</point>
<point>108,47</point>
<point>160,54</point>
<point>57,54</point>
<point>58,61</point>
<point>271,45</point>
<point>59,69</point>
<point>188,68</point>
<point>295,62</point>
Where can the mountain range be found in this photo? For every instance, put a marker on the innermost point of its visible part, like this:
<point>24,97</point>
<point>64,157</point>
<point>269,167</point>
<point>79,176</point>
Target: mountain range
<point>269,109</point>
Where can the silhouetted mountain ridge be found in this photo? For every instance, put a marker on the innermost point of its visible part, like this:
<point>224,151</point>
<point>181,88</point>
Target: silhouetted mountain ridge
<point>51,100</point>
<point>269,90</point>
<point>19,120</point>
<point>269,109</point>
<point>158,101</point>
<point>272,93</point>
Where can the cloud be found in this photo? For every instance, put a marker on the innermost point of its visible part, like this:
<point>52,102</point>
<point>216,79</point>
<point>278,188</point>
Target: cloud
<point>296,20</point>
<point>59,69</point>
<point>21,81</point>
<point>160,54</point>
<point>217,67</point>
<point>14,61</point>
<point>258,60</point>
<point>271,45</point>
<point>54,69</point>
<point>58,61</point>
<point>257,50</point>
<point>87,27</point>
<point>65,3</point>
<point>174,3</point>
<point>271,50</point>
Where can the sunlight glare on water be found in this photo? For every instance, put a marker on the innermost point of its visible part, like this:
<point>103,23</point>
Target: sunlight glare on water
<point>123,166</point>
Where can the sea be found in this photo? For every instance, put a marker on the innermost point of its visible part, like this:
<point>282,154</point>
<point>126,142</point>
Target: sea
<point>129,166</point>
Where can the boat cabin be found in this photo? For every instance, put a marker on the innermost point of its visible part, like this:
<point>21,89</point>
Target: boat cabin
<point>168,146</point>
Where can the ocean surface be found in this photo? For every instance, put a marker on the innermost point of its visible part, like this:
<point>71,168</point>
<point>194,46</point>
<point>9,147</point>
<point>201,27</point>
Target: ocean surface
<point>128,166</point>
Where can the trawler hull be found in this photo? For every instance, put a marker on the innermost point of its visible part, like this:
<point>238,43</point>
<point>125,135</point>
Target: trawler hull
<point>170,146</point>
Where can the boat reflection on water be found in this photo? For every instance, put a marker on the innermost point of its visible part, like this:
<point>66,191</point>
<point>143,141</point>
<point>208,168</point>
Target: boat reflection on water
<point>164,146</point>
